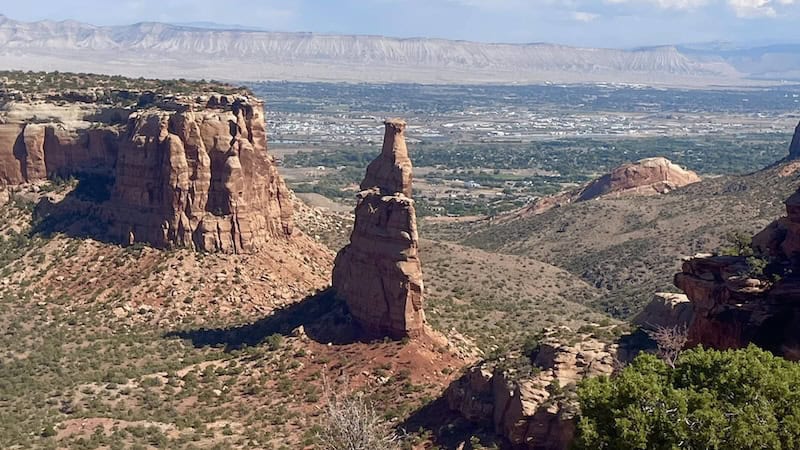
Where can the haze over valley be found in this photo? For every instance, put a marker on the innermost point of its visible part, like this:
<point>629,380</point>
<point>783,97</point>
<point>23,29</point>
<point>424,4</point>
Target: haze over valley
<point>182,51</point>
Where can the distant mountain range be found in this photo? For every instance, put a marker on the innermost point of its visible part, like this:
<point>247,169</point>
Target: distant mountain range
<point>235,53</point>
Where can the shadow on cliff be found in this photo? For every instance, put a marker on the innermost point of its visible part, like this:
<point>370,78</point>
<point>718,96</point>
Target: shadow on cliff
<point>324,319</point>
<point>77,214</point>
<point>448,430</point>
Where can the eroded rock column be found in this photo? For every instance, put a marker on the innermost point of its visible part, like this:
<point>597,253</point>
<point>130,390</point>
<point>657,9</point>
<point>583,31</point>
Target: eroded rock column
<point>379,273</point>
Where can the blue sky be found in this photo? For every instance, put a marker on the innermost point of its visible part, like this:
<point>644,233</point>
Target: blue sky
<point>606,23</point>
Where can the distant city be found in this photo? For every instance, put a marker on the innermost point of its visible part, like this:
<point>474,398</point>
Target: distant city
<point>309,113</point>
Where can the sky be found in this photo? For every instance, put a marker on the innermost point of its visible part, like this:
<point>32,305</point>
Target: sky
<point>595,23</point>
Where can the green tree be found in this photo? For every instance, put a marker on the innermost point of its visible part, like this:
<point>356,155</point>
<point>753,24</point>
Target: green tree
<point>726,400</point>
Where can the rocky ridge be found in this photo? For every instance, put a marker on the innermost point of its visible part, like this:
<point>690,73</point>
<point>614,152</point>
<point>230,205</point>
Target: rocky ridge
<point>379,273</point>
<point>181,171</point>
<point>749,298</point>
<point>648,176</point>
<point>536,411</point>
<point>260,55</point>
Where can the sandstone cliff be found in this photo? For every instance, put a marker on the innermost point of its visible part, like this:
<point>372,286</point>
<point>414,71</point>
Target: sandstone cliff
<point>537,412</point>
<point>738,300</point>
<point>185,171</point>
<point>379,273</point>
<point>645,177</point>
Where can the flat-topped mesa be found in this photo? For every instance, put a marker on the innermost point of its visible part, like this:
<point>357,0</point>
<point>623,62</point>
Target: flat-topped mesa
<point>379,273</point>
<point>391,171</point>
<point>184,171</point>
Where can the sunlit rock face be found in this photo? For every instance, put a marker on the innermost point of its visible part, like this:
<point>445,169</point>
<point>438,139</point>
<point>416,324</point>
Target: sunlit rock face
<point>379,273</point>
<point>738,300</point>
<point>185,172</point>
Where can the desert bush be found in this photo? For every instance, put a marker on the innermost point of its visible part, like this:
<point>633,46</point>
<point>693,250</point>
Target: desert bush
<point>351,422</point>
<point>725,400</point>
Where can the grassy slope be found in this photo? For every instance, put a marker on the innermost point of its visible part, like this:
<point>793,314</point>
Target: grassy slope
<point>630,247</point>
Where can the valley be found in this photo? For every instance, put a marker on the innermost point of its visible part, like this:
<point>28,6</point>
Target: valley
<point>168,250</point>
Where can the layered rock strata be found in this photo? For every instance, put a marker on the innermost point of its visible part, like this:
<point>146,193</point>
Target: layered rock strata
<point>188,172</point>
<point>738,300</point>
<point>379,273</point>
<point>537,412</point>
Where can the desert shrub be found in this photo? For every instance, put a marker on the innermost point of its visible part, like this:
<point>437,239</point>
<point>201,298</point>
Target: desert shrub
<point>351,422</point>
<point>739,243</point>
<point>726,400</point>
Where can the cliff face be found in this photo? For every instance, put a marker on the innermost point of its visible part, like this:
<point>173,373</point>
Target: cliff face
<point>379,273</point>
<point>739,300</point>
<point>189,172</point>
<point>529,411</point>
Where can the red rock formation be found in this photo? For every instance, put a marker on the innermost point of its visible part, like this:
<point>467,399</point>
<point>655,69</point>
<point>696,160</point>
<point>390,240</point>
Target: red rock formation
<point>186,172</point>
<point>524,410</point>
<point>736,304</point>
<point>665,310</point>
<point>646,177</point>
<point>379,272</point>
<point>391,172</point>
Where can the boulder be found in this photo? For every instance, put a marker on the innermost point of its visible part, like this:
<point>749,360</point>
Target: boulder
<point>666,310</point>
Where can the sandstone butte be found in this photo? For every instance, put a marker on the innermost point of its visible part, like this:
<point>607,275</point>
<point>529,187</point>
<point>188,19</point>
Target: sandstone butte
<point>648,176</point>
<point>733,306</point>
<point>379,273</point>
<point>185,171</point>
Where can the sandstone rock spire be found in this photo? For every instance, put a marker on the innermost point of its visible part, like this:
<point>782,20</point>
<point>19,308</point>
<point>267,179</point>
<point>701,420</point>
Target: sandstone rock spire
<point>391,171</point>
<point>379,273</point>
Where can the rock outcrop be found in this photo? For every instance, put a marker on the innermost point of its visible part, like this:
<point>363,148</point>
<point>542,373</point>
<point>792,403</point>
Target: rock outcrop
<point>379,273</point>
<point>794,147</point>
<point>739,300</point>
<point>666,310</point>
<point>185,171</point>
<point>648,176</point>
<point>533,412</point>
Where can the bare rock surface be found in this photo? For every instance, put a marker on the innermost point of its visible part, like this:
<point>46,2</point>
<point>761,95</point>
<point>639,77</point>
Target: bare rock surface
<point>739,300</point>
<point>379,273</point>
<point>533,411</point>
<point>183,171</point>
<point>650,176</point>
<point>666,310</point>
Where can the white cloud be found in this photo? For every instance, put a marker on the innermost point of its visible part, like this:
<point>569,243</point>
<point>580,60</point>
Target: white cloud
<point>757,8</point>
<point>668,4</point>
<point>583,16</point>
<point>742,8</point>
